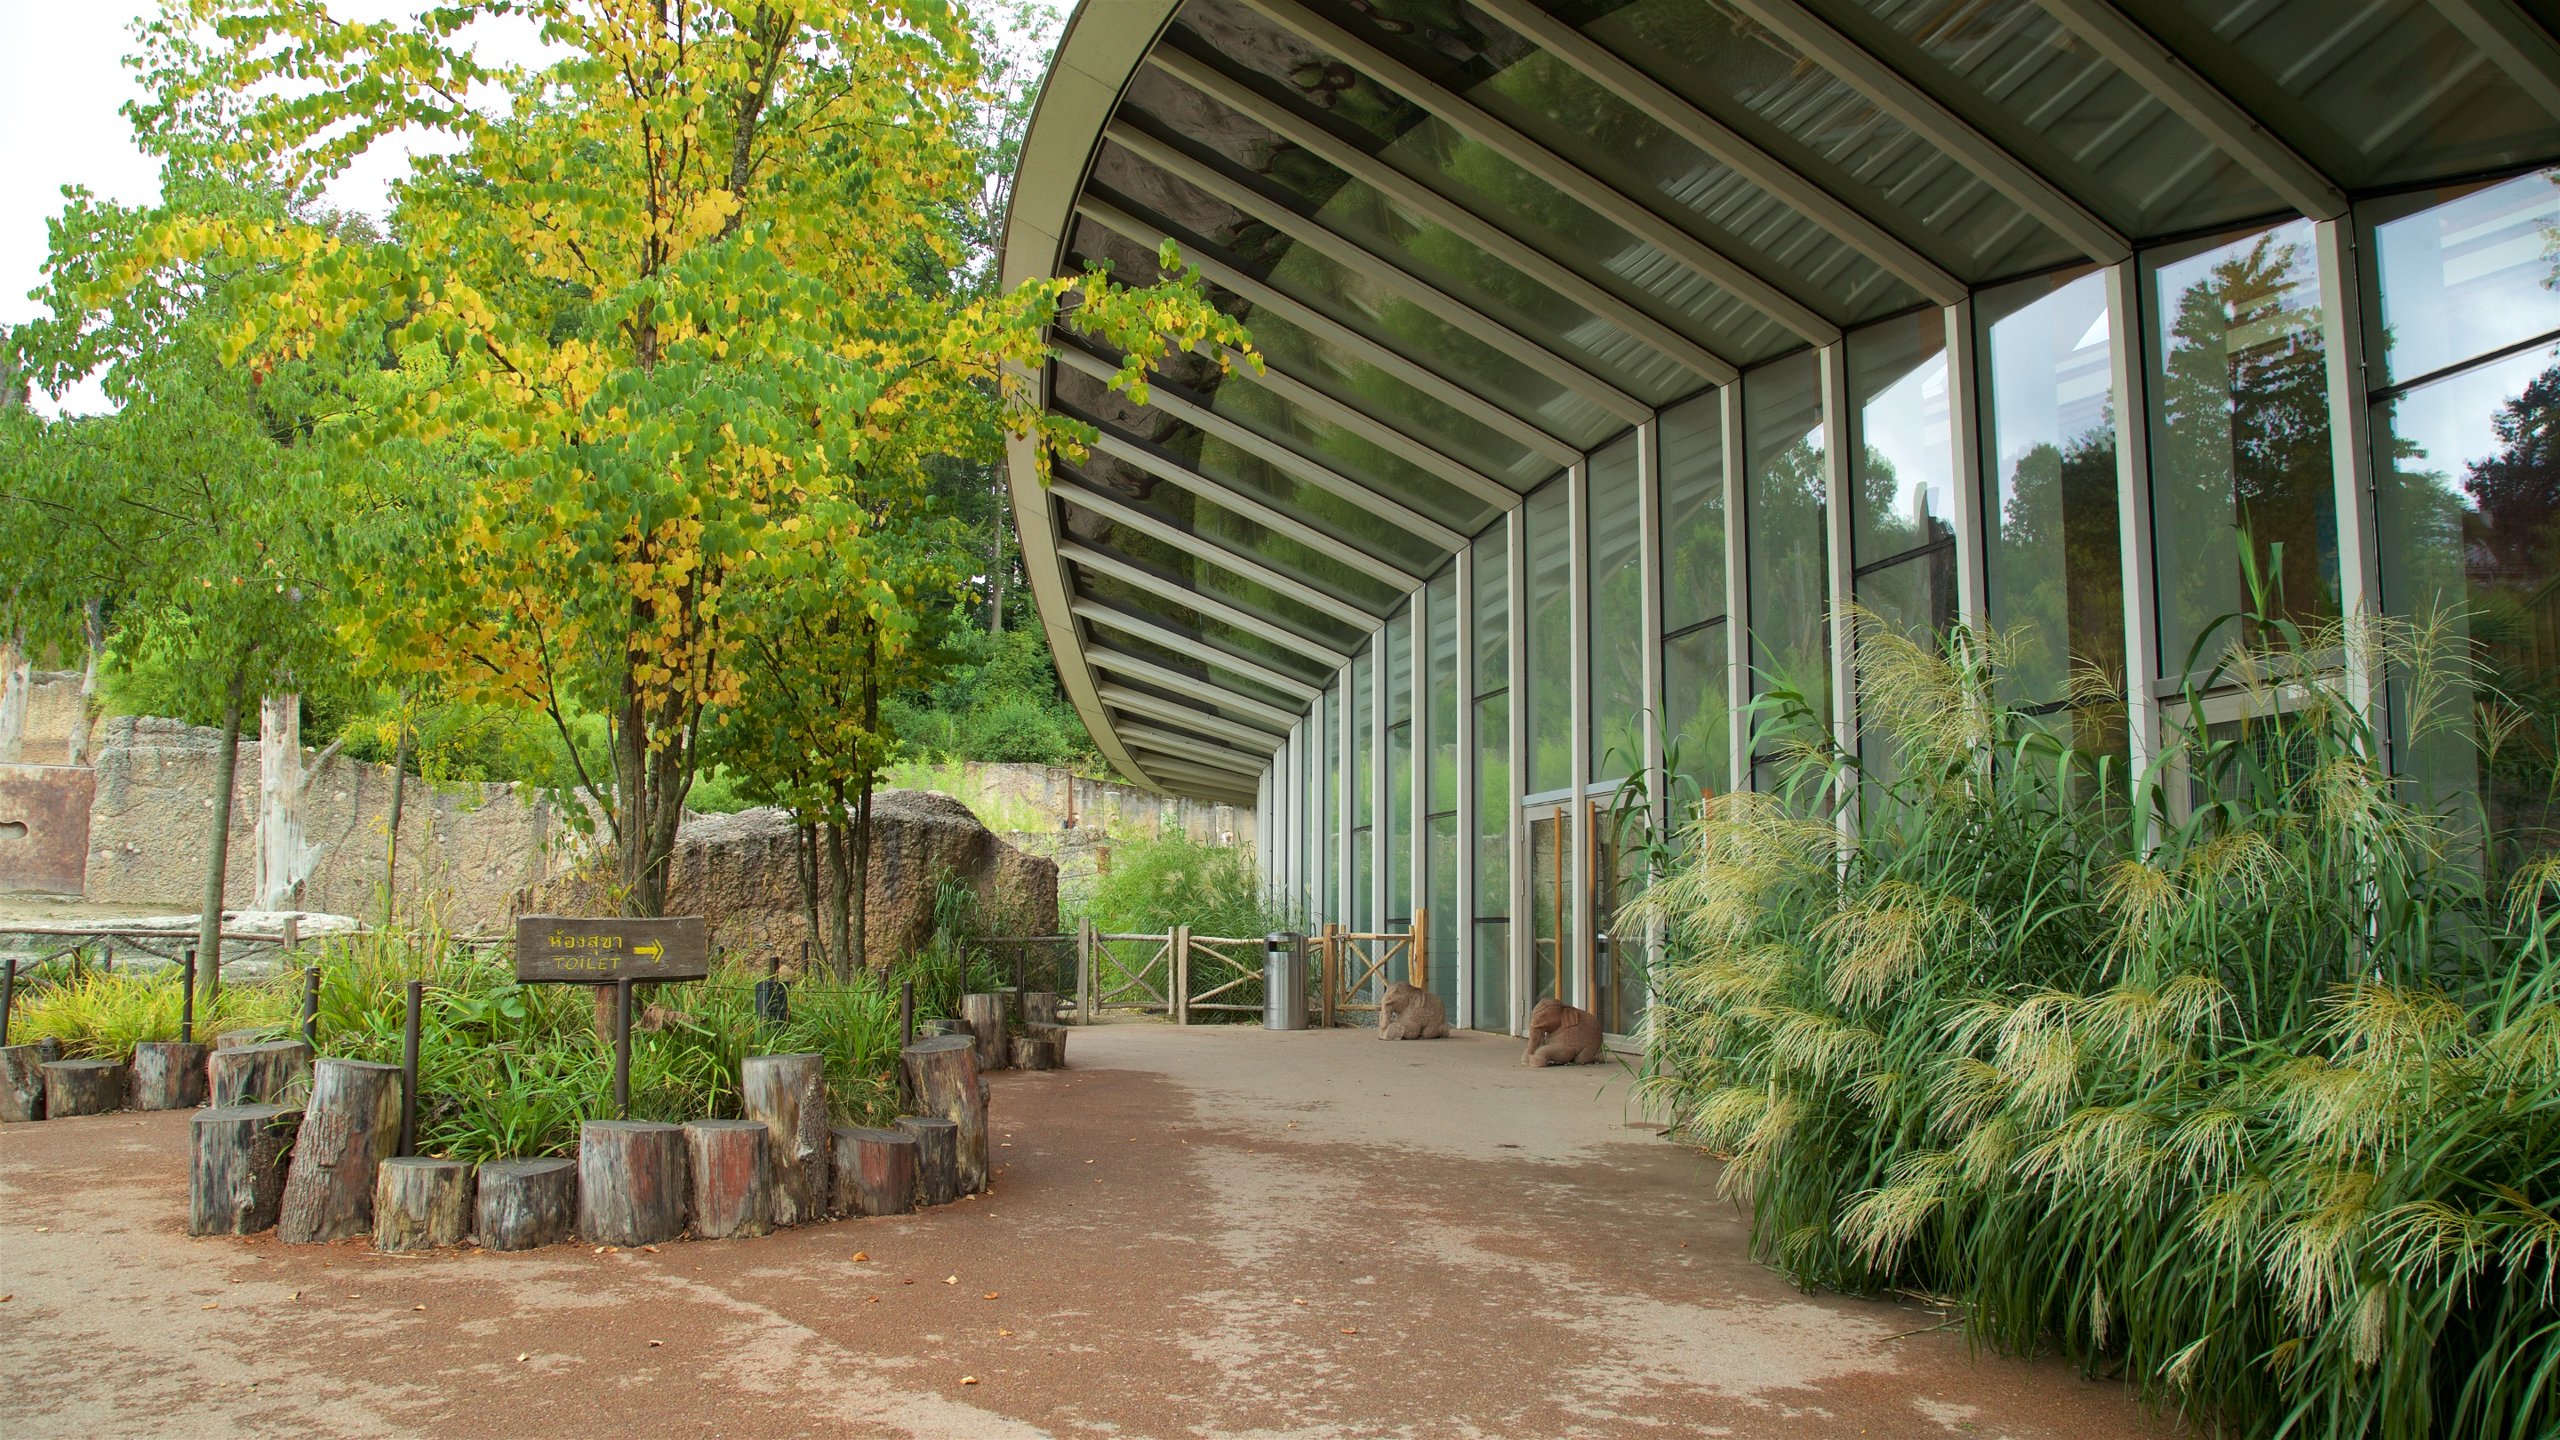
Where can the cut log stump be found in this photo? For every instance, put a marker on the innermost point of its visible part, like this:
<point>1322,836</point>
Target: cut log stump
<point>1039,1007</point>
<point>237,1039</point>
<point>788,1093</point>
<point>631,1182</point>
<point>350,1126</point>
<point>942,1078</point>
<point>420,1204</point>
<point>236,1168</point>
<point>984,1015</point>
<point>1035,1051</point>
<point>82,1087</point>
<point>1056,1035</point>
<point>270,1072</point>
<point>525,1204</point>
<point>168,1075</point>
<point>732,1177</point>
<point>22,1082</point>
<point>875,1171</point>
<point>937,1158</point>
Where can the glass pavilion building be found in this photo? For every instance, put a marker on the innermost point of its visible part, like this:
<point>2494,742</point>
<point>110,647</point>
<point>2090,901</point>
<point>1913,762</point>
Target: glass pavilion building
<point>1615,348</point>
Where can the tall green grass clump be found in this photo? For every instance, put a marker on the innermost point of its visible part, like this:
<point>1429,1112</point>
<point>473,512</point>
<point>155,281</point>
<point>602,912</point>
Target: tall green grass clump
<point>1153,885</point>
<point>103,1014</point>
<point>2238,1078</point>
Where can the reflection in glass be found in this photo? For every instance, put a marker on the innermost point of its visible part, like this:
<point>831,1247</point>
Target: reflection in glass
<point>1493,864</point>
<point>1550,880</point>
<point>1618,960</point>
<point>1364,779</point>
<point>1784,536</point>
<point>2240,443</point>
<point>1440,692</point>
<point>2469,512</point>
<point>1692,513</point>
<point>1615,642</point>
<point>1440,962</point>
<point>1905,461</point>
<point>1395,836</point>
<point>1493,977</point>
<point>1314,848</point>
<point>1698,739</point>
<point>1549,663</point>
<point>2056,582</point>
<point>1489,570</point>
<point>2465,276</point>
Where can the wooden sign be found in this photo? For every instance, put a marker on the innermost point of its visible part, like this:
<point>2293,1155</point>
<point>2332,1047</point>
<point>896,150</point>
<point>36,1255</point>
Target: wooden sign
<point>559,950</point>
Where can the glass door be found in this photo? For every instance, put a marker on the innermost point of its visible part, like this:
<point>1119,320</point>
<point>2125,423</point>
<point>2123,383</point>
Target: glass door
<point>1550,882</point>
<point>1618,969</point>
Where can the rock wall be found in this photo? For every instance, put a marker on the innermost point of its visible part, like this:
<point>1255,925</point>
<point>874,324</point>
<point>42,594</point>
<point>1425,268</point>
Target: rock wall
<point>53,698</point>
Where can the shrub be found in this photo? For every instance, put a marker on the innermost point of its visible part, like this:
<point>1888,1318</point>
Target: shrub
<point>1150,886</point>
<point>2256,1104</point>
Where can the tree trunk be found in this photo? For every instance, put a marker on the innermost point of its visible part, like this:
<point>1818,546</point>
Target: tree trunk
<point>271,1072</point>
<point>806,852</point>
<point>168,1075</point>
<point>875,1172</point>
<point>631,1182</point>
<point>984,1015</point>
<point>420,1204</point>
<point>937,1158</point>
<point>93,629</point>
<point>350,1126</point>
<point>236,1167</point>
<point>1037,1051</point>
<point>399,802</point>
<point>279,836</point>
<point>858,880</point>
<point>841,903</point>
<point>732,1180</point>
<point>942,1076</point>
<point>525,1204</point>
<point>788,1094</point>
<point>82,1087</point>
<point>16,679</point>
<point>218,854</point>
<point>22,1082</point>
<point>1039,1007</point>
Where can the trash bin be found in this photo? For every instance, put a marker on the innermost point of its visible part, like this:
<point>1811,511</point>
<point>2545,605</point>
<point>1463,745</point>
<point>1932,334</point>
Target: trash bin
<point>1284,982</point>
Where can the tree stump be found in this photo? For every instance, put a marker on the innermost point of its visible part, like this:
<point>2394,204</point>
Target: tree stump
<point>875,1171</point>
<point>942,1078</point>
<point>350,1126</point>
<point>168,1075</point>
<point>236,1167</point>
<point>1035,1051</point>
<point>22,1082</point>
<point>270,1072</point>
<point>788,1093</point>
<point>631,1182</point>
<point>937,1158</point>
<point>984,1016</point>
<point>82,1087</point>
<point>1056,1034</point>
<point>732,1179</point>
<point>525,1204</point>
<point>238,1039</point>
<point>419,1204</point>
<point>1039,1007</point>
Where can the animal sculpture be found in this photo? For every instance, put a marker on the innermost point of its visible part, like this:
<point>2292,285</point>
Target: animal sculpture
<point>1408,1012</point>
<point>1560,1034</point>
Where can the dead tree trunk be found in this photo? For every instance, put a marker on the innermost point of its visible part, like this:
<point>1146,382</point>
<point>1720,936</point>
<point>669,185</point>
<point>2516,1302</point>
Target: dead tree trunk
<point>270,1072</point>
<point>525,1204</point>
<point>942,1076</point>
<point>236,1167</point>
<point>350,1126</point>
<point>631,1182</point>
<point>168,1075</point>
<point>16,679</point>
<point>984,1015</point>
<point>875,1172</point>
<point>22,1082</point>
<point>420,1204</point>
<point>937,1158</point>
<point>82,1087</point>
<point>788,1093</point>
<point>732,1183</point>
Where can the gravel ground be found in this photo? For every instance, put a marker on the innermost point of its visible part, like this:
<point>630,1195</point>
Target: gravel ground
<point>1193,1232</point>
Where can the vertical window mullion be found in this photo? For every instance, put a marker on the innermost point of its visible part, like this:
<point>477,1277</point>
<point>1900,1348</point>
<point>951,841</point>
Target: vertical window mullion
<point>1578,688</point>
<point>2133,508</point>
<point>1464,678</point>
<point>1840,450</point>
<point>1964,423</point>
<point>2342,304</point>
<point>1737,593</point>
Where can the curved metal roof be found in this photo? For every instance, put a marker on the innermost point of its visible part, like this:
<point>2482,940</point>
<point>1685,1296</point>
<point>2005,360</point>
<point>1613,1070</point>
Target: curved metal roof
<point>1476,239</point>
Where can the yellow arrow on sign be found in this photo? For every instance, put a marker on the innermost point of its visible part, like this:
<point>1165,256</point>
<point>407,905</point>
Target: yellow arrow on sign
<point>655,950</point>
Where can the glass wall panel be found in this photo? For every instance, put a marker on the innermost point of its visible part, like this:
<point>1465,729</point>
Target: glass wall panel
<point>1698,742</point>
<point>1440,692</point>
<point>2239,399</point>
<point>1395,836</point>
<point>1902,536</point>
<point>1494,809</point>
<point>2463,272</point>
<point>1784,535</point>
<point>1692,513</point>
<point>1614,643</point>
<point>1361,723</point>
<point>1440,962</point>
<point>1550,883</point>
<point>1490,568</point>
<point>1619,991</point>
<point>2056,582</point>
<point>1549,663</point>
<point>1312,829</point>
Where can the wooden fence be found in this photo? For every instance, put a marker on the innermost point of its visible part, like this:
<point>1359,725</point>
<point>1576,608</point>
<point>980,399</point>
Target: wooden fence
<point>1180,974</point>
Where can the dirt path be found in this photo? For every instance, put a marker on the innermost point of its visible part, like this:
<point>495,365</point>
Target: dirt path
<point>1194,1232</point>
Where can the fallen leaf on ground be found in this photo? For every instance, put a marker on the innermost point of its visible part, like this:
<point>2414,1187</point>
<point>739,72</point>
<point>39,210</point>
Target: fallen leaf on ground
<point>1295,1301</point>
<point>1350,1330</point>
<point>654,1344</point>
<point>1002,1331</point>
<point>209,1305</point>
<point>652,1249</point>
<point>417,1307</point>
<point>968,1379</point>
<point>950,1279</point>
<point>990,1295</point>
<point>861,1255</point>
<point>523,1358</point>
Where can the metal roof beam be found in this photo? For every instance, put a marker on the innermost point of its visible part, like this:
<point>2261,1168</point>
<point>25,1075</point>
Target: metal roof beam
<point>1200,780</point>
<point>1164,587</point>
<point>1201,752</point>
<point>1368,427</point>
<point>1142,703</point>
<point>2194,99</point>
<point>1360,260</point>
<point>1890,91</point>
<point>1667,108</point>
<point>1094,612</point>
<point>1102,657</point>
<point>1199,253</point>
<point>2513,42</point>
<point>1121,512</point>
<point>1253,442</point>
<point>1627,212</point>
<point>1448,214</point>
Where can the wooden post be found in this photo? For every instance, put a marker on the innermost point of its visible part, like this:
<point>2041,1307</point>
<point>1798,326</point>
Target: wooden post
<point>942,1075</point>
<point>420,1204</point>
<point>732,1177</point>
<point>984,1015</point>
<point>1416,950</point>
<point>168,1075</point>
<point>622,1048</point>
<point>82,1087</point>
<point>236,1167</point>
<point>409,1070</point>
<point>21,1082</point>
<point>525,1204</point>
<point>349,1127</point>
<point>187,1002</point>
<point>631,1182</point>
<point>272,1072</point>
<point>937,1158</point>
<point>875,1172</point>
<point>9,997</point>
<point>1329,965</point>
<point>1179,942</point>
<point>311,1007</point>
<point>788,1095</point>
<point>906,1013</point>
<point>1084,972</point>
